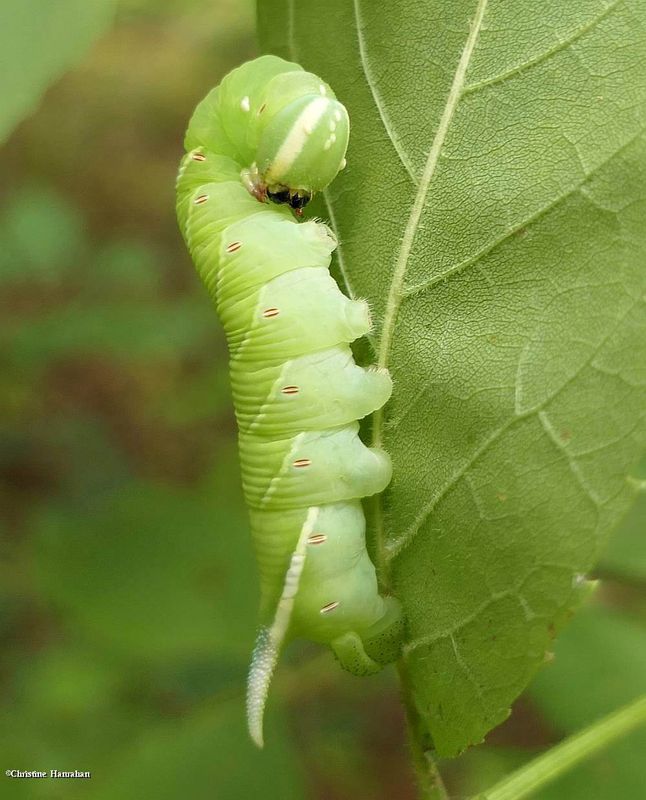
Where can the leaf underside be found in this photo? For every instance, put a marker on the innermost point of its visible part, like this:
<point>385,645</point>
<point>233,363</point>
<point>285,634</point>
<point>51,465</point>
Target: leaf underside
<point>493,212</point>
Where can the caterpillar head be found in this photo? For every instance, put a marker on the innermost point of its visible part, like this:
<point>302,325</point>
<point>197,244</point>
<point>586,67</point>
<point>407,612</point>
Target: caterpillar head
<point>300,150</point>
<point>303,146</point>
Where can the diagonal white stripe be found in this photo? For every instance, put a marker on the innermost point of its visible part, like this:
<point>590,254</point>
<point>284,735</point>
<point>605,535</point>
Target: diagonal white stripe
<point>295,140</point>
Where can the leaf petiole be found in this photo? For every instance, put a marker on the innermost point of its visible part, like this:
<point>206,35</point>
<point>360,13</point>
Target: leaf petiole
<point>571,752</point>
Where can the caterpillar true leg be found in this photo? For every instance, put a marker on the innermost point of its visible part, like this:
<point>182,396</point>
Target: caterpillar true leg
<point>259,146</point>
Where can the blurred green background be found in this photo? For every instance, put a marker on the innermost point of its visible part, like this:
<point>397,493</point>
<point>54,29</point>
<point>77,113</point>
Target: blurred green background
<point>127,585</point>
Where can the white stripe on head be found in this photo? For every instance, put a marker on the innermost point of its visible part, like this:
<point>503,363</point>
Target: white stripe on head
<point>295,140</point>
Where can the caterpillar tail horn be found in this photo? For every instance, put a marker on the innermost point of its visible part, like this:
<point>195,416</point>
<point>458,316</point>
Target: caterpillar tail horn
<point>271,638</point>
<point>263,663</point>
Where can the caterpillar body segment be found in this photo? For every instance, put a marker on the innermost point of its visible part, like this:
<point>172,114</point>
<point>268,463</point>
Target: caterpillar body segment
<point>273,132</point>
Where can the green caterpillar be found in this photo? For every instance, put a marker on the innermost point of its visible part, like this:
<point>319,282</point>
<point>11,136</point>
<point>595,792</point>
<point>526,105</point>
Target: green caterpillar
<point>273,132</point>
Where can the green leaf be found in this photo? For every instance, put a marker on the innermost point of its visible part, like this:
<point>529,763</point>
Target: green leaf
<point>493,214</point>
<point>39,41</point>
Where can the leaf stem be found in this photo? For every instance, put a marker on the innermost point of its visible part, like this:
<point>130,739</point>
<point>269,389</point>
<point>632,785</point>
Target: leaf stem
<point>568,754</point>
<point>428,776</point>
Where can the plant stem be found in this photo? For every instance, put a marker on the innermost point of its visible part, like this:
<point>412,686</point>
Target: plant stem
<point>428,775</point>
<point>568,754</point>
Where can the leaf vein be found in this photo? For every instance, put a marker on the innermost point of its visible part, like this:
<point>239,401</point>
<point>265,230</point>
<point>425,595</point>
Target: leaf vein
<point>395,293</point>
<point>468,672</point>
<point>376,96</point>
<point>575,469</point>
<point>394,548</point>
<point>547,54</point>
<point>401,264</point>
<point>494,597</point>
<point>589,361</point>
<point>525,223</point>
<point>339,253</point>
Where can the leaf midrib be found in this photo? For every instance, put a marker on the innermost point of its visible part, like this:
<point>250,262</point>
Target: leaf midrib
<point>395,293</point>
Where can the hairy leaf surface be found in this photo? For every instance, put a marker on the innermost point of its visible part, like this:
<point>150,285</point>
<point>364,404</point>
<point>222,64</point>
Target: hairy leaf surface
<point>493,213</point>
